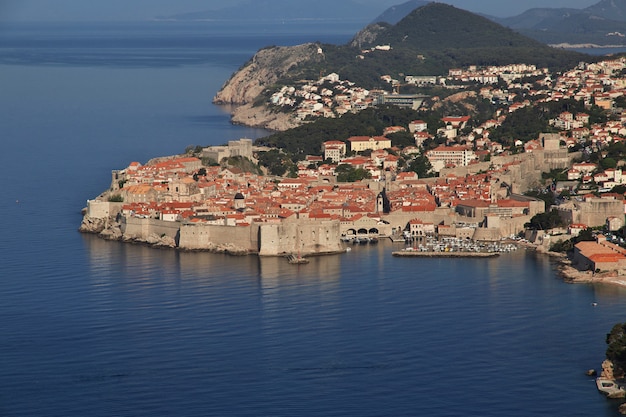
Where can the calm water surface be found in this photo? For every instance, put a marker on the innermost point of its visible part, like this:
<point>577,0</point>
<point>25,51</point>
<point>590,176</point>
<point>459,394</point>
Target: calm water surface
<point>100,328</point>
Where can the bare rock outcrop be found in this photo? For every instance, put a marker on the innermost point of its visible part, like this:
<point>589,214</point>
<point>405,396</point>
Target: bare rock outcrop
<point>266,67</point>
<point>607,370</point>
<point>92,225</point>
<point>263,117</point>
<point>367,36</point>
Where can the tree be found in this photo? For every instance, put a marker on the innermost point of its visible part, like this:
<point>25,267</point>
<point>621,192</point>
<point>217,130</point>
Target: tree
<point>545,221</point>
<point>584,236</point>
<point>421,166</point>
<point>546,195</point>
<point>402,139</point>
<point>616,350</point>
<point>619,189</point>
<point>348,173</point>
<point>608,162</point>
<point>275,161</point>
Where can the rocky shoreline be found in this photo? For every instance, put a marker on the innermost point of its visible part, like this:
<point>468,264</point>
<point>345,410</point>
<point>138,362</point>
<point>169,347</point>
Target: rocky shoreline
<point>583,46</point>
<point>110,229</point>
<point>572,275</point>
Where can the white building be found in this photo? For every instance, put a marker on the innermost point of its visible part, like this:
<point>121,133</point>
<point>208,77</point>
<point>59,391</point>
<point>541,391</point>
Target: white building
<point>450,155</point>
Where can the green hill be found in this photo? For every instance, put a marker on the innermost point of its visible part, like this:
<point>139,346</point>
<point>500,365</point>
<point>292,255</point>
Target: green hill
<point>429,41</point>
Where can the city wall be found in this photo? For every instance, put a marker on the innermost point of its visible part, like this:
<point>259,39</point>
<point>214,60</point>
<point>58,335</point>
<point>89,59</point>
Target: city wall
<point>206,237</point>
<point>103,209</point>
<point>136,228</point>
<point>525,169</point>
<point>301,237</point>
<point>592,213</point>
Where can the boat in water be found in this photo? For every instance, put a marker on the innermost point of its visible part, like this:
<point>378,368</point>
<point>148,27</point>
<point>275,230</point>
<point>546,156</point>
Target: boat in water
<point>296,259</point>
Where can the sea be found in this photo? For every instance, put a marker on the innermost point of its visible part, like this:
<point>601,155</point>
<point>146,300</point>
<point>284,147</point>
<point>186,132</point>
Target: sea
<point>90,327</point>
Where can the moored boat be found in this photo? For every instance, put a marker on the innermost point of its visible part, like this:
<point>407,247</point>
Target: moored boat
<point>296,259</point>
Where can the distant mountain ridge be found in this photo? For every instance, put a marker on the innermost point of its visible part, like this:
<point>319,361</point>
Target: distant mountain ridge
<point>277,10</point>
<point>603,23</point>
<point>437,25</point>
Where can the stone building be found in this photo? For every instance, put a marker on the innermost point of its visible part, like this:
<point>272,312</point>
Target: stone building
<point>592,211</point>
<point>241,147</point>
<point>362,143</point>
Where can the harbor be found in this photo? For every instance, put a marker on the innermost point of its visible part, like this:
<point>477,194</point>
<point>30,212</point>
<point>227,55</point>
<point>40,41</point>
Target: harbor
<point>425,254</point>
<point>450,247</point>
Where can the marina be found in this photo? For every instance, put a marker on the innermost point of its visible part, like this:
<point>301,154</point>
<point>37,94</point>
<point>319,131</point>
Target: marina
<point>426,254</point>
<point>454,247</point>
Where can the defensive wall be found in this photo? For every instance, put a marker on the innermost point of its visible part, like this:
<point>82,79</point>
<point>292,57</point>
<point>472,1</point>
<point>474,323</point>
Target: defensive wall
<point>207,236</point>
<point>592,212</point>
<point>136,228</point>
<point>98,209</point>
<point>523,170</point>
<point>303,237</point>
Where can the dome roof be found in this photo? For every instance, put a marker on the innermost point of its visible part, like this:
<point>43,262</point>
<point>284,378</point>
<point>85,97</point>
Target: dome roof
<point>239,196</point>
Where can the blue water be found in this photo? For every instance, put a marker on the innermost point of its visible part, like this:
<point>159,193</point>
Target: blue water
<point>96,328</point>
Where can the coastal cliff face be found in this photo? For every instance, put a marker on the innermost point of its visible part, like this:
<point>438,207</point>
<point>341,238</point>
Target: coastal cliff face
<point>367,36</point>
<point>264,69</point>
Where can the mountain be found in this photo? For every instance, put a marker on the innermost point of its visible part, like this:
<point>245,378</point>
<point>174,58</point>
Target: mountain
<point>609,9</point>
<point>537,18</point>
<point>429,41</point>
<point>603,23</point>
<point>278,10</point>
<point>394,14</point>
<point>438,25</point>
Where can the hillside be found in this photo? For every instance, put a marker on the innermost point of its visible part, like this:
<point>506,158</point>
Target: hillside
<point>603,23</point>
<point>609,9</point>
<point>445,37</point>
<point>429,41</point>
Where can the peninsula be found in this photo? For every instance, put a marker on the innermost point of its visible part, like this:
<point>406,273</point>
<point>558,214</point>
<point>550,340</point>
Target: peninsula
<point>480,152</point>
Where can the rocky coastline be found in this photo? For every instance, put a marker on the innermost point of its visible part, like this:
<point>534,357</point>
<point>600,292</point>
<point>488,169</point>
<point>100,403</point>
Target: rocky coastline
<point>111,229</point>
<point>569,273</point>
<point>265,68</point>
<point>584,46</point>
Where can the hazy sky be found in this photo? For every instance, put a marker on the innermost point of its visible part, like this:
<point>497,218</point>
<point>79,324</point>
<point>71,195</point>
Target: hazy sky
<point>92,10</point>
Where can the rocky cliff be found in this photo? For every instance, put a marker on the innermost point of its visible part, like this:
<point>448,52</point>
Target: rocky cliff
<point>265,69</point>
<point>368,35</point>
<point>263,117</point>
